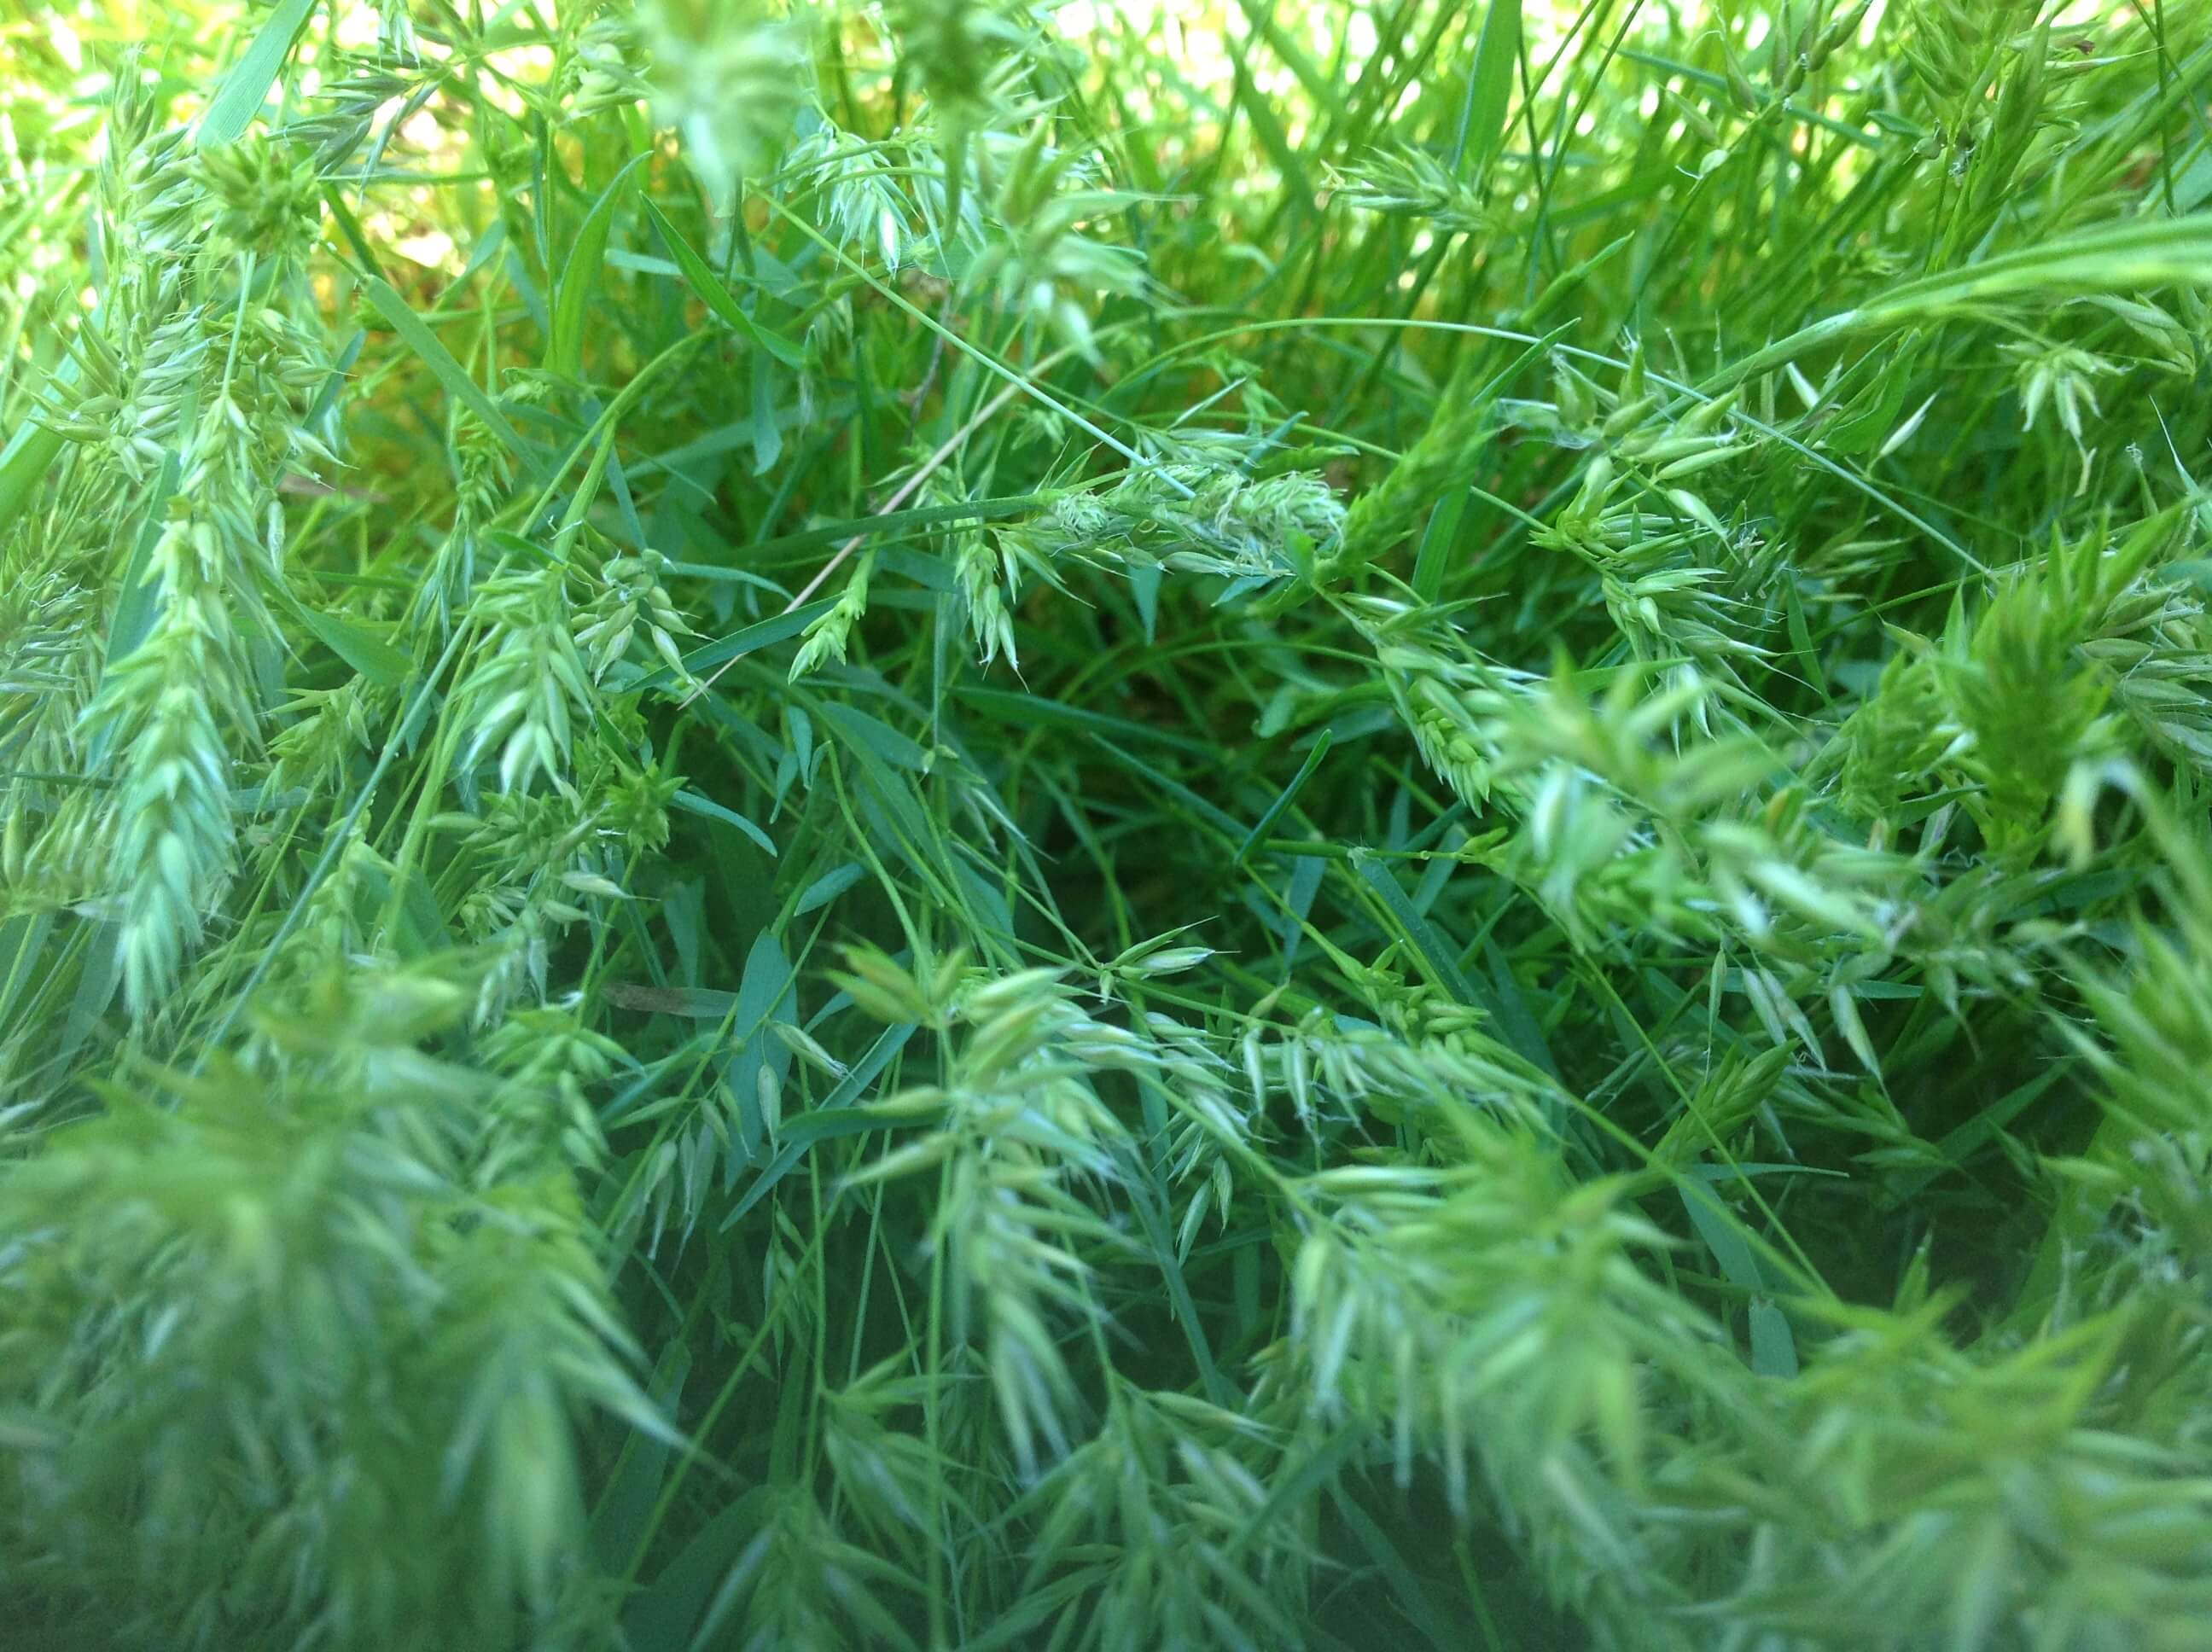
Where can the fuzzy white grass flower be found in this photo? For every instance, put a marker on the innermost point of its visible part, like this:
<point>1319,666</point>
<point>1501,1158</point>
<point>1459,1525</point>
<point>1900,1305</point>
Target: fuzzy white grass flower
<point>2062,376</point>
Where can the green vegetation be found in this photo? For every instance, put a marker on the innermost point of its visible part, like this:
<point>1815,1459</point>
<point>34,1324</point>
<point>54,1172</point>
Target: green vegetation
<point>1336,823</point>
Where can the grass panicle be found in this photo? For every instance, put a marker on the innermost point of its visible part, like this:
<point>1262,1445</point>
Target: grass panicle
<point>1128,827</point>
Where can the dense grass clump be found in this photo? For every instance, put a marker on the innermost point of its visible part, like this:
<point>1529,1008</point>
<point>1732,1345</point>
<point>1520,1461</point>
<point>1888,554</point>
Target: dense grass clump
<point>1336,823</point>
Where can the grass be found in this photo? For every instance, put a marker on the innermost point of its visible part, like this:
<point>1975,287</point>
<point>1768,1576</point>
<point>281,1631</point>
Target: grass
<point>1300,823</point>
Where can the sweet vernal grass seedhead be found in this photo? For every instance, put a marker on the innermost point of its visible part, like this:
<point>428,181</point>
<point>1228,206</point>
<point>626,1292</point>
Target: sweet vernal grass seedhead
<point>950,824</point>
